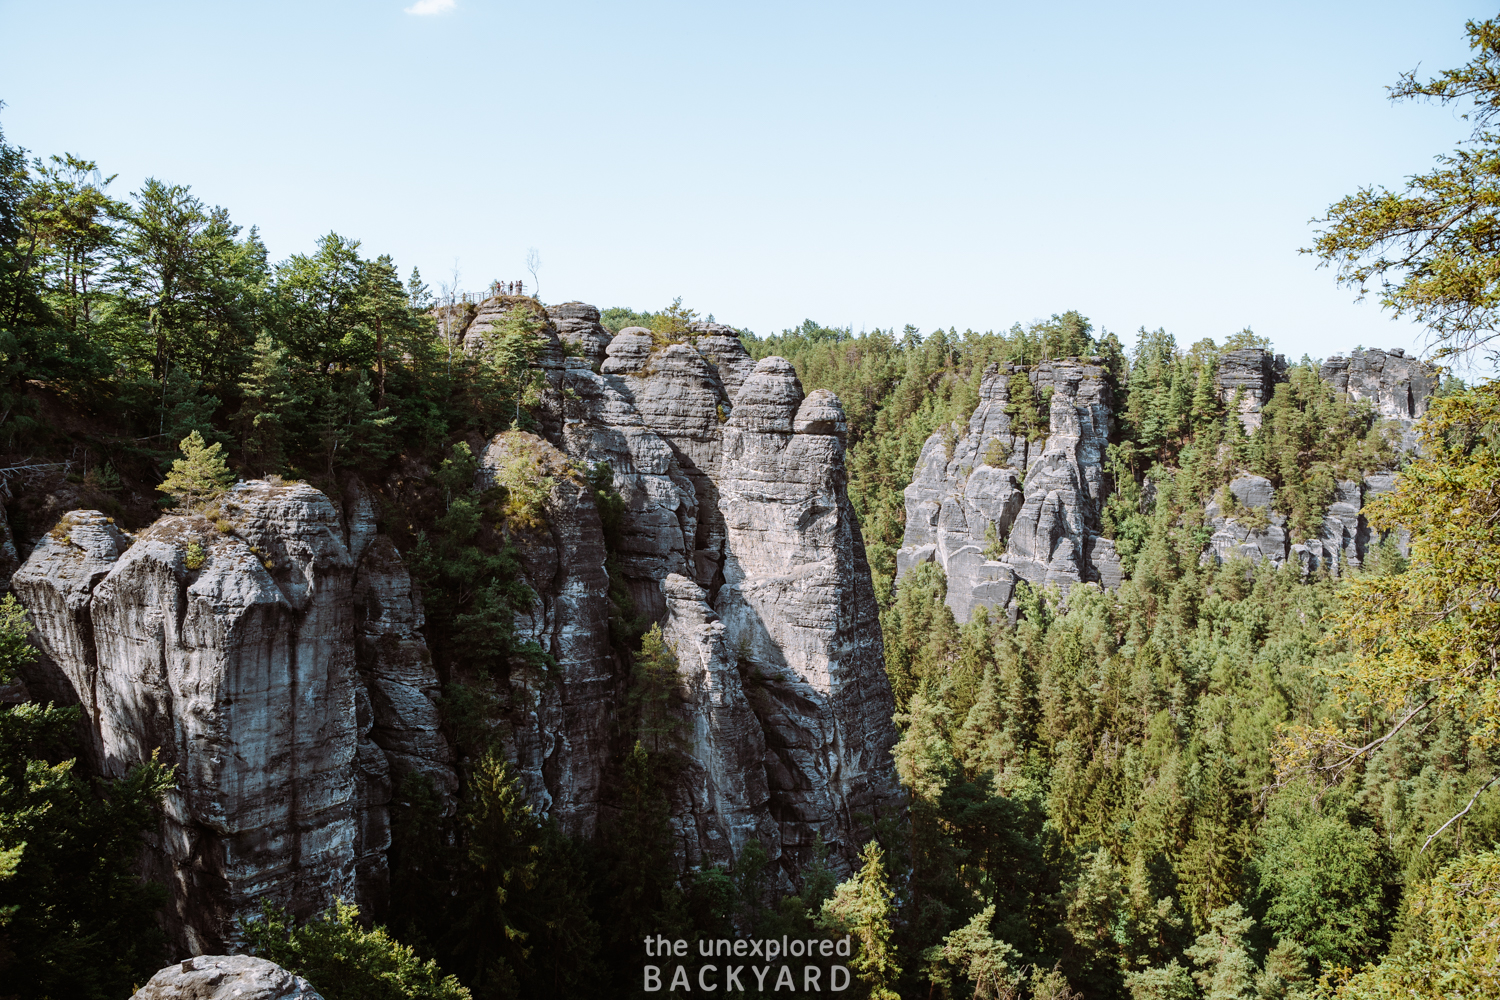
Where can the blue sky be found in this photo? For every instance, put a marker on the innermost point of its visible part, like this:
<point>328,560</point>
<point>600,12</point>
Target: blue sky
<point>941,164</point>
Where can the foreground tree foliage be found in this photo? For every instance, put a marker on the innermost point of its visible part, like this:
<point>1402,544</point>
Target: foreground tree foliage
<point>1432,246</point>
<point>75,918</point>
<point>346,962</point>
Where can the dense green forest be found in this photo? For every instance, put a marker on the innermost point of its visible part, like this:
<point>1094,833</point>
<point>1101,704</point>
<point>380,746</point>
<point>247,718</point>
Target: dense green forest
<point>1217,781</point>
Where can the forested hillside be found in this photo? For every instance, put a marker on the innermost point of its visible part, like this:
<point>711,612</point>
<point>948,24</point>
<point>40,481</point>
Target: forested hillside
<point>1219,779</point>
<point>1103,771</point>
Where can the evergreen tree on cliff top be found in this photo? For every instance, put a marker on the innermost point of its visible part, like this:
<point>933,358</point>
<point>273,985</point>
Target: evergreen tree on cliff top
<point>200,475</point>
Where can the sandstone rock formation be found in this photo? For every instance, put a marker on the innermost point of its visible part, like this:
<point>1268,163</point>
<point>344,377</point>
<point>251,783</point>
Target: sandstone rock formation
<point>55,585</point>
<point>799,608</point>
<point>1258,534</point>
<point>721,801</point>
<point>1249,375</point>
<point>578,325</point>
<point>229,648</point>
<point>562,742</point>
<point>226,977</point>
<point>1397,387</point>
<point>271,648</point>
<point>993,506</point>
<point>738,535</point>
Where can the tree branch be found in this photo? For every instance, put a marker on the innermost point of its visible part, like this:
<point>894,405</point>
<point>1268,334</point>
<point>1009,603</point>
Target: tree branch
<point>1461,814</point>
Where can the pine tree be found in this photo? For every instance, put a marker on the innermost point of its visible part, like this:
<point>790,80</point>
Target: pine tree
<point>200,475</point>
<point>862,907</point>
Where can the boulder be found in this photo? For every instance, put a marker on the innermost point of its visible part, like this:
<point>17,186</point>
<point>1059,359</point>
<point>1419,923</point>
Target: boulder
<point>226,977</point>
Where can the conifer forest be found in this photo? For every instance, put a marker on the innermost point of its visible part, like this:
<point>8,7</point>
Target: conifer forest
<point>1212,712</point>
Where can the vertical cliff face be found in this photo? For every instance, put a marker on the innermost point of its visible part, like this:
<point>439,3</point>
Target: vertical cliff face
<point>1397,387</point>
<point>739,537</point>
<point>992,506</point>
<point>243,677</point>
<point>1247,379</point>
<point>229,648</point>
<point>799,609</point>
<point>562,742</point>
<point>721,800</point>
<point>56,585</point>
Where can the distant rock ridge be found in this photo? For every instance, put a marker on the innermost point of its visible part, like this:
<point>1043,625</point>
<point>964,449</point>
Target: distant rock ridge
<point>993,507</point>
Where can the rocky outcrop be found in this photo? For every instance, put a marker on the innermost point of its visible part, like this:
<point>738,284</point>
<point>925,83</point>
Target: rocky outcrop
<point>1253,531</point>
<point>271,648</point>
<point>659,531</point>
<point>993,506</point>
<point>1250,529</point>
<point>578,326</point>
<point>227,646</point>
<point>799,608</point>
<point>738,536</point>
<point>721,346</point>
<point>1366,536</point>
<point>1247,379</point>
<point>56,585</point>
<point>1397,387</point>
<point>1337,544</point>
<point>397,671</point>
<point>722,797</point>
<point>230,654</point>
<point>226,977</point>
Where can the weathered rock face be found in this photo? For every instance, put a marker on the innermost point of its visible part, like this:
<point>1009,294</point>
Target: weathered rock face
<point>660,526</point>
<point>799,608</point>
<point>232,654</point>
<point>721,345</point>
<point>721,801</point>
<point>272,650</point>
<point>1244,537</point>
<point>226,977</point>
<point>1250,375</point>
<point>992,506</point>
<point>578,325</point>
<point>56,585</point>
<point>1397,387</point>
<point>243,676</point>
<point>738,536</point>
<point>562,744</point>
